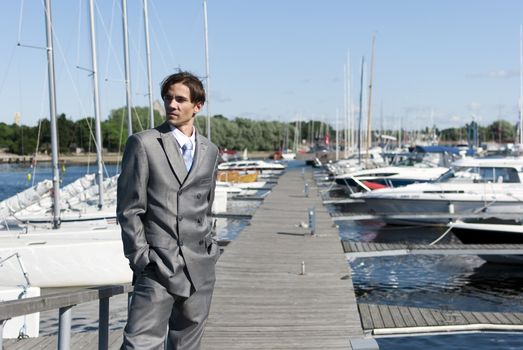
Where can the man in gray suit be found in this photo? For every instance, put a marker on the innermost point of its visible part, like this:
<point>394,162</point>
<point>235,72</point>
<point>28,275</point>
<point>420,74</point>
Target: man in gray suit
<point>165,195</point>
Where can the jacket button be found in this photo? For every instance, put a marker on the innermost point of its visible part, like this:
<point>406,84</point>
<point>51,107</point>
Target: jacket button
<point>180,218</point>
<point>180,192</point>
<point>180,243</point>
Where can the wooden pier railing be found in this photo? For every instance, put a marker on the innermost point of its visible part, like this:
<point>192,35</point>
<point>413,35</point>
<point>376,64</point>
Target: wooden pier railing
<point>64,302</point>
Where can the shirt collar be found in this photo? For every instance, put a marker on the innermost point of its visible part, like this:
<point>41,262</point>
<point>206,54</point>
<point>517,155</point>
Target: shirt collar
<point>181,138</point>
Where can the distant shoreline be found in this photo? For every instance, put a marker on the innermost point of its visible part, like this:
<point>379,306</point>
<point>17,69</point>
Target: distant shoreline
<point>108,158</point>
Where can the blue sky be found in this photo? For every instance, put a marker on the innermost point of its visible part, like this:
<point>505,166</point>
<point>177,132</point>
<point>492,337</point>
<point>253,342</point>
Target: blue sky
<point>437,62</point>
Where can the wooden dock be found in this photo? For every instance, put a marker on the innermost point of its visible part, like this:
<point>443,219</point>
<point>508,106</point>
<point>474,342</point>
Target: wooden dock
<point>395,320</point>
<point>263,301</point>
<point>365,250</point>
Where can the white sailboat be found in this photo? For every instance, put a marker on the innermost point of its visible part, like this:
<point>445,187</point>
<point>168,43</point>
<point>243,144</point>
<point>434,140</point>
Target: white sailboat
<point>74,254</point>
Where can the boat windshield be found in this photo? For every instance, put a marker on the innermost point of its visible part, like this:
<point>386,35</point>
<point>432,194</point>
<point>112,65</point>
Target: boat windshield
<point>480,174</point>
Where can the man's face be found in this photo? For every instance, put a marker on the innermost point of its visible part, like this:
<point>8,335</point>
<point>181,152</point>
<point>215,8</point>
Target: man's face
<point>179,110</point>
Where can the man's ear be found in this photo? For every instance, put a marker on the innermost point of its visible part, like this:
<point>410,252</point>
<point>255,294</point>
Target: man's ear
<point>197,107</point>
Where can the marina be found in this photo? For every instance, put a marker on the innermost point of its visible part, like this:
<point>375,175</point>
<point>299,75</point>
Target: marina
<point>271,287</point>
<point>406,232</point>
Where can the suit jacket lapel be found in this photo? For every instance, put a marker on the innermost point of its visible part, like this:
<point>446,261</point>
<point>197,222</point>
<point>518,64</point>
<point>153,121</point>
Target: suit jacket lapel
<point>199,154</point>
<point>172,152</point>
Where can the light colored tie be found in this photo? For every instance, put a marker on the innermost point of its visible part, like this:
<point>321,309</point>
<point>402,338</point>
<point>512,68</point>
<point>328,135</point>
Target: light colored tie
<point>187,154</point>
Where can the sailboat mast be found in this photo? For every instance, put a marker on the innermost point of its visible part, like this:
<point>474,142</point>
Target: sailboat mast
<point>127,69</point>
<point>337,134</point>
<point>98,128</point>
<point>520,84</point>
<point>361,109</point>
<point>52,116</point>
<point>149,69</point>
<point>369,105</point>
<point>207,68</point>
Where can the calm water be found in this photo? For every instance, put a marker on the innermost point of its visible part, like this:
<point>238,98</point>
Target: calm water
<point>446,282</point>
<point>13,177</point>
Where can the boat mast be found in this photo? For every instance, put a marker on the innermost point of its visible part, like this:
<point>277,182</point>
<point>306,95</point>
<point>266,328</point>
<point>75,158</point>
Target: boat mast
<point>369,104</point>
<point>52,116</point>
<point>98,129</point>
<point>208,87</point>
<point>520,85</point>
<point>127,69</point>
<point>337,134</point>
<point>361,109</point>
<point>149,69</point>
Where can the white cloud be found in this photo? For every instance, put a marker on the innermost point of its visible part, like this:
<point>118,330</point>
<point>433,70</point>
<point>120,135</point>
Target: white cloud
<point>495,74</point>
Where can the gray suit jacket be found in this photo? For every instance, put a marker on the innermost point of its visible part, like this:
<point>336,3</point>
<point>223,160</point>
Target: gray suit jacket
<point>164,212</point>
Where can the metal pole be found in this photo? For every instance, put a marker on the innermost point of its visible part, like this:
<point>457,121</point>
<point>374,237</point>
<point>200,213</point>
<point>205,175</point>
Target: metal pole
<point>127,68</point>
<point>52,116</point>
<point>103,324</point>
<point>312,220</point>
<point>149,69</point>
<point>207,78</point>
<point>64,328</point>
<point>98,128</point>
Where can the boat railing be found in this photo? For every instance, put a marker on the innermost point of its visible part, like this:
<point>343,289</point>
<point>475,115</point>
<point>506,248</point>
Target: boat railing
<point>64,302</point>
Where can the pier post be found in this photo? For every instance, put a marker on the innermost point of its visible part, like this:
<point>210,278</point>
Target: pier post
<point>312,220</point>
<point>64,328</point>
<point>103,324</point>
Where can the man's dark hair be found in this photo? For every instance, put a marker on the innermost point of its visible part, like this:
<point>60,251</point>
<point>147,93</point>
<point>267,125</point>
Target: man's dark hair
<point>188,79</point>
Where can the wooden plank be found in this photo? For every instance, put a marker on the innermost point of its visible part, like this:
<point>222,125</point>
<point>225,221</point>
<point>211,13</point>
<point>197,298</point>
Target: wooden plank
<point>377,320</point>
<point>480,317</point>
<point>429,318</point>
<point>366,318</point>
<point>397,316</point>
<point>386,316</point>
<point>512,318</point>
<point>407,316</point>
<point>469,318</point>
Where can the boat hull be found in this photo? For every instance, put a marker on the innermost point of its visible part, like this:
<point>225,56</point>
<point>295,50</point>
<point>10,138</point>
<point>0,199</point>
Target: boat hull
<point>408,208</point>
<point>65,259</point>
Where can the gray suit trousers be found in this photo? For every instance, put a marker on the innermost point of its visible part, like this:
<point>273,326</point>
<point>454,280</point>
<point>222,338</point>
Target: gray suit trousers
<point>153,307</point>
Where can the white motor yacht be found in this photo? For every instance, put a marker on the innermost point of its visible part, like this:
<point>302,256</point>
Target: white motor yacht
<point>472,185</point>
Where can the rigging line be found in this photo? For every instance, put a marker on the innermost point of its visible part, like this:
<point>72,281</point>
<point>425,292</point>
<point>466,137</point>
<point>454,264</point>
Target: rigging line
<point>78,30</point>
<point>137,118</point>
<point>20,21</point>
<point>42,107</point>
<point>162,31</point>
<point>141,65</point>
<point>36,152</point>
<point>75,89</point>
<point>155,42</point>
<point>120,144</point>
<point>109,39</point>
<point>67,70</point>
<point>8,68</point>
